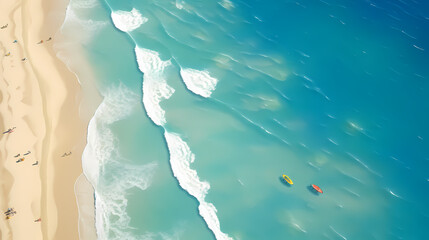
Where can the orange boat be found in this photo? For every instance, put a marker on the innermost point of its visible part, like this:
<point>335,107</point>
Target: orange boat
<point>317,188</point>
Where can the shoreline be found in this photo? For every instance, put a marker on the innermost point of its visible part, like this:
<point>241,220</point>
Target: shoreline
<point>42,98</point>
<point>84,193</point>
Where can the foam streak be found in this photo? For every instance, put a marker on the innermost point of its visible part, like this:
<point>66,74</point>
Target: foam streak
<point>180,159</point>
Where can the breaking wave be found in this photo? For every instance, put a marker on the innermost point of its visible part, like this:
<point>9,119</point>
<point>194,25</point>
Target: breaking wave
<point>199,82</point>
<point>100,153</point>
<point>180,159</point>
<point>128,21</point>
<point>117,104</point>
<point>155,87</point>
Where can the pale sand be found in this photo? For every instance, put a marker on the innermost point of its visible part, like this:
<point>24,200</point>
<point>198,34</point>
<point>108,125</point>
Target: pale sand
<point>85,199</point>
<point>39,97</point>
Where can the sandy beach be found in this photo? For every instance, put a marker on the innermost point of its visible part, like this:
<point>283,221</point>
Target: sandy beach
<point>40,159</point>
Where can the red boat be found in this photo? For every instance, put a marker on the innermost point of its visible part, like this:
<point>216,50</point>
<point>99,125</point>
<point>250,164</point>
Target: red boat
<point>317,188</point>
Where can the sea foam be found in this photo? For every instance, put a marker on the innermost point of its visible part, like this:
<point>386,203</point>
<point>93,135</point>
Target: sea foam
<point>155,87</point>
<point>228,5</point>
<point>99,148</point>
<point>180,159</point>
<point>118,103</point>
<point>85,4</point>
<point>199,82</point>
<point>179,4</point>
<point>128,21</point>
<point>80,28</point>
<point>104,167</point>
<point>112,220</point>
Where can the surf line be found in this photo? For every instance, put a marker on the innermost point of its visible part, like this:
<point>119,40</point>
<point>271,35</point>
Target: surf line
<point>155,89</point>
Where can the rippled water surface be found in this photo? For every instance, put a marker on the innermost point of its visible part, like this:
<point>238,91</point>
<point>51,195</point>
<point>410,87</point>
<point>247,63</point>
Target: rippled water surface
<point>208,103</point>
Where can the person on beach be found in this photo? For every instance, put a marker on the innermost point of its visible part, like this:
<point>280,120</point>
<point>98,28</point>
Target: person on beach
<point>36,163</point>
<point>49,39</point>
<point>38,220</point>
<point>10,130</point>
<point>12,213</point>
<point>25,154</point>
<point>8,211</point>
<point>23,59</point>
<point>17,155</point>
<point>20,160</point>
<point>66,154</point>
<point>7,54</point>
<point>4,26</point>
<point>15,41</point>
<point>41,41</point>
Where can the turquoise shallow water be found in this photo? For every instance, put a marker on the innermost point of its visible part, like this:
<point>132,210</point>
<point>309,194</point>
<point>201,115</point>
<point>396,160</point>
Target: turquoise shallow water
<point>329,92</point>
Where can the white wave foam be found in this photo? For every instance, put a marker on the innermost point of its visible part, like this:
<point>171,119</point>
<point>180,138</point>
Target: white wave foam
<point>355,126</point>
<point>179,4</point>
<point>332,141</point>
<point>155,87</point>
<point>85,4</point>
<point>150,62</point>
<point>298,227</point>
<point>228,5</point>
<point>419,48</point>
<point>180,159</point>
<point>101,154</point>
<point>99,148</point>
<point>352,192</point>
<point>112,219</point>
<point>118,103</point>
<point>128,21</point>
<point>363,164</point>
<point>335,231</point>
<point>199,82</point>
<point>80,29</point>
<point>242,184</point>
<point>394,194</point>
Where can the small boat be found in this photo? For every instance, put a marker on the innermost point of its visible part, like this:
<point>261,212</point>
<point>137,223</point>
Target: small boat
<point>288,180</point>
<point>317,188</point>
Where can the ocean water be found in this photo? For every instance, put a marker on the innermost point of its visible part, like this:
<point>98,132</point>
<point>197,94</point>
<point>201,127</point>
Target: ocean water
<point>207,103</point>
